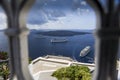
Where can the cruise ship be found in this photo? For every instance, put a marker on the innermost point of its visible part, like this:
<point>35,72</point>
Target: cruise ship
<point>85,51</point>
<point>55,40</point>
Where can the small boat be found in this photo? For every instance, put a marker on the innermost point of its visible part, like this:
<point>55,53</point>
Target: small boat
<point>58,40</point>
<point>85,51</point>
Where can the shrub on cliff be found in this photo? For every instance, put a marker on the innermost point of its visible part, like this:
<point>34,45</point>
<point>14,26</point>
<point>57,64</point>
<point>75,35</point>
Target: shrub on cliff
<point>73,73</point>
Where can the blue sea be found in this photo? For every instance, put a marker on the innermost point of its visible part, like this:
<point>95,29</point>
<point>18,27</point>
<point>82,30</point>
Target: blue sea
<point>42,46</point>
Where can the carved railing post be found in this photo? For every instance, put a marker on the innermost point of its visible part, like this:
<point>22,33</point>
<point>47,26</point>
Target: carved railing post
<point>107,40</point>
<point>16,11</point>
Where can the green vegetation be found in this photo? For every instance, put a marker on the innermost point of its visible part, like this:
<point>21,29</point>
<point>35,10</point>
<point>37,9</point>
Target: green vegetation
<point>73,73</point>
<point>30,60</point>
<point>3,55</point>
<point>4,70</point>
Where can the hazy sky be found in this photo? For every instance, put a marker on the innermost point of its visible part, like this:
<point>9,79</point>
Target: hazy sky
<point>58,14</point>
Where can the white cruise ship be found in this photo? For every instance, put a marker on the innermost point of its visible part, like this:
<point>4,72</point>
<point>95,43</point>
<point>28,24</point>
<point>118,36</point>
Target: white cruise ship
<point>85,51</point>
<point>55,40</point>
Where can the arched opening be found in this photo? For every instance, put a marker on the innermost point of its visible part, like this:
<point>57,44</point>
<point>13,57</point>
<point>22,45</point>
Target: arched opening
<point>61,28</point>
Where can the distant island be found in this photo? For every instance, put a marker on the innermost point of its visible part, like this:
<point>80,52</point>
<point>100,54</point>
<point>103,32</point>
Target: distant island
<point>62,33</point>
